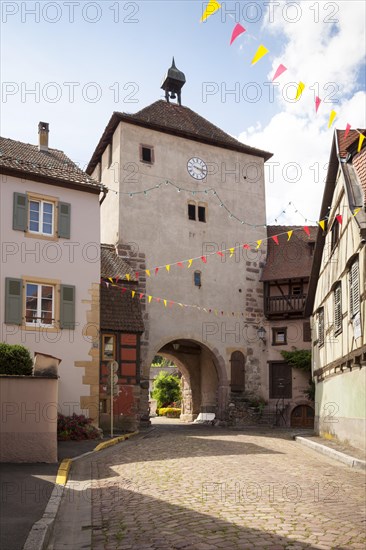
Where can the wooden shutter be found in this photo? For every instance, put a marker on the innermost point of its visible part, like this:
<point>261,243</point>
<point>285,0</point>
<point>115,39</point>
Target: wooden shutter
<point>354,289</point>
<point>13,301</point>
<point>306,331</point>
<point>20,212</point>
<point>237,371</point>
<point>67,307</point>
<point>321,327</point>
<point>64,220</point>
<point>338,309</point>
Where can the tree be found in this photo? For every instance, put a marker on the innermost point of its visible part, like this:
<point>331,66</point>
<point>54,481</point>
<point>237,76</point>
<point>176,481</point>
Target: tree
<point>166,389</point>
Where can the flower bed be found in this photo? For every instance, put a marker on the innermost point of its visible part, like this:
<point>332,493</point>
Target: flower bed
<point>170,412</point>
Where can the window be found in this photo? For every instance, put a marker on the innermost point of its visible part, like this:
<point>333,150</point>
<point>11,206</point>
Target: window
<point>191,211</point>
<point>296,289</point>
<point>108,347</point>
<point>197,279</point>
<point>39,305</point>
<point>147,154</point>
<point>354,289</point>
<point>321,327</point>
<point>201,214</point>
<point>41,214</point>
<point>337,309</point>
<point>279,336</point>
<point>334,235</point>
<point>110,154</point>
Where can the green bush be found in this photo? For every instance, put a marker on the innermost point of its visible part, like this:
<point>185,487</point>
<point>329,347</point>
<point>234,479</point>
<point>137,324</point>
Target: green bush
<point>15,360</point>
<point>166,389</point>
<point>76,428</point>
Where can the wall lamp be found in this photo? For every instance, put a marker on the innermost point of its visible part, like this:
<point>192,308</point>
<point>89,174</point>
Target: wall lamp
<point>261,332</point>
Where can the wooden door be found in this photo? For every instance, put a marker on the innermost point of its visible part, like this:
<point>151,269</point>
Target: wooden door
<point>302,417</point>
<point>237,371</point>
<point>280,382</point>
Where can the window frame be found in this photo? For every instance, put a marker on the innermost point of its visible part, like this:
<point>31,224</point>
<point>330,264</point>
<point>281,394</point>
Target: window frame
<point>41,213</point>
<point>275,331</point>
<point>104,357</point>
<point>200,208</point>
<point>320,325</point>
<point>55,303</point>
<point>189,206</point>
<point>354,285</point>
<point>152,154</point>
<point>337,303</point>
<point>199,274</point>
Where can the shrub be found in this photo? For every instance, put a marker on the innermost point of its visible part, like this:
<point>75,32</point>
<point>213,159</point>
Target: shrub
<point>166,389</point>
<point>15,360</point>
<point>76,428</point>
<point>170,412</point>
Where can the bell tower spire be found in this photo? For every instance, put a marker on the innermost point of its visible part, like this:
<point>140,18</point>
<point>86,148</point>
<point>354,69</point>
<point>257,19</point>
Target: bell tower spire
<point>173,83</point>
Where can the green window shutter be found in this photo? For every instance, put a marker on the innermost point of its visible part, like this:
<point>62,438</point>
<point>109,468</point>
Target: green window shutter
<point>64,220</point>
<point>67,307</point>
<point>20,212</point>
<point>13,301</point>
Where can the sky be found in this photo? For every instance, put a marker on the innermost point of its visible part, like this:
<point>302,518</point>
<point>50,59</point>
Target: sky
<point>72,63</point>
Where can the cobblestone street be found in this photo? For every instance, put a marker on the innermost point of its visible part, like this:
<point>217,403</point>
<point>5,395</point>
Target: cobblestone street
<point>203,488</point>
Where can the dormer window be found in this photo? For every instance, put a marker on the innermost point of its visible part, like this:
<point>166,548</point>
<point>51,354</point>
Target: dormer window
<point>147,154</point>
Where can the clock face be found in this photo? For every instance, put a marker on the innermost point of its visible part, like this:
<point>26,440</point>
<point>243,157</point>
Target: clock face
<point>197,168</point>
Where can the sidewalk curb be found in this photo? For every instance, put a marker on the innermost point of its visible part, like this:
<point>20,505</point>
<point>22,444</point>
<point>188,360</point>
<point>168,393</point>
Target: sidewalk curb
<point>40,534</point>
<point>351,461</point>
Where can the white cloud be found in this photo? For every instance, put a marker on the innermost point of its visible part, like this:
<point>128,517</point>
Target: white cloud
<point>314,52</point>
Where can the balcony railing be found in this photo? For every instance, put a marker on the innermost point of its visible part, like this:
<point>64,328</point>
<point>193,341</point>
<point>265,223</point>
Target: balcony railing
<point>280,305</point>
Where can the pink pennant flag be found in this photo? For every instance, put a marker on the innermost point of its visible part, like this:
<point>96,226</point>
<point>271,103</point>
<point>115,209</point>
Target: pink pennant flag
<point>204,259</point>
<point>124,290</point>
<point>348,127</point>
<point>339,218</point>
<point>246,246</point>
<point>220,254</point>
<point>156,270</point>
<point>180,264</point>
<point>238,30</point>
<point>307,230</point>
<point>280,69</point>
<point>275,238</point>
<point>158,299</point>
<point>137,275</point>
<point>317,103</point>
<point>141,295</point>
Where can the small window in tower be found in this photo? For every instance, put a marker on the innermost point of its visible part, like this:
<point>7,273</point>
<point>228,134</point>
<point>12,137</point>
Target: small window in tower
<point>197,279</point>
<point>147,154</point>
<point>110,154</point>
<point>191,211</point>
<point>202,213</point>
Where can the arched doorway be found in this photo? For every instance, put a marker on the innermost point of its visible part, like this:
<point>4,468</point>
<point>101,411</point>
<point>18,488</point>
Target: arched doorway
<point>302,416</point>
<point>204,379</point>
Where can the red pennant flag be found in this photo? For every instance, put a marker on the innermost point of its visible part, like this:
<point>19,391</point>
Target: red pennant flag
<point>124,290</point>
<point>275,238</point>
<point>339,218</point>
<point>317,103</point>
<point>137,275</point>
<point>158,299</point>
<point>238,30</point>
<point>246,246</point>
<point>220,254</point>
<point>141,295</point>
<point>117,278</point>
<point>307,230</point>
<point>348,127</point>
<point>204,259</point>
<point>171,303</point>
<point>180,264</point>
<point>156,270</point>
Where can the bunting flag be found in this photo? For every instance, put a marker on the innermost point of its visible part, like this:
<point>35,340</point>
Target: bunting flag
<point>280,69</point>
<point>221,254</point>
<point>124,290</point>
<point>180,264</point>
<point>322,224</point>
<point>307,230</point>
<point>204,259</point>
<point>261,52</point>
<point>137,275</point>
<point>339,219</point>
<point>332,116</point>
<point>258,244</point>
<point>167,267</point>
<point>110,279</point>
<point>107,285</point>
<point>147,271</point>
<point>317,103</point>
<point>356,211</point>
<point>189,263</point>
<point>360,142</point>
<point>156,270</point>
<point>211,8</point>
<point>275,238</point>
<point>348,127</point>
<point>246,246</point>
<point>128,276</point>
<point>289,234</point>
<point>165,302</point>
<point>238,30</point>
<point>141,295</point>
<point>133,292</point>
<point>300,90</point>
<point>149,299</point>
<point>232,250</point>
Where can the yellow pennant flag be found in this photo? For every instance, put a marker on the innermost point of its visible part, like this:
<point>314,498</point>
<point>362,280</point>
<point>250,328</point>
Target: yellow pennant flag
<point>189,263</point>
<point>128,277</point>
<point>167,267</point>
<point>289,235</point>
<point>211,8</point>
<point>110,279</point>
<point>261,52</point>
<point>332,116</point>
<point>232,250</point>
<point>300,90</point>
<point>360,142</point>
<point>322,224</point>
<point>147,272</point>
<point>258,244</point>
<point>179,304</point>
<point>215,311</point>
<point>150,298</point>
<point>133,292</point>
<point>165,303</point>
<point>356,211</point>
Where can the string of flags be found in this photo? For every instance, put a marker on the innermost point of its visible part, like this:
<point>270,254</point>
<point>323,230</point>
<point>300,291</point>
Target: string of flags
<point>227,251</point>
<point>213,6</point>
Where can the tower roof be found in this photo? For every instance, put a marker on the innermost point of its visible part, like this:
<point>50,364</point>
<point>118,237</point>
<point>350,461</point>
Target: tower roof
<point>177,120</point>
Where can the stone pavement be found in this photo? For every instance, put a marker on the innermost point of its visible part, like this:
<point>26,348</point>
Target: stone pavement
<point>192,487</point>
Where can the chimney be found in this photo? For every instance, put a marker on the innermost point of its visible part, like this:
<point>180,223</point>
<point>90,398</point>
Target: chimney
<point>43,136</point>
